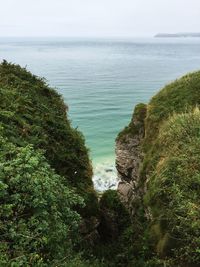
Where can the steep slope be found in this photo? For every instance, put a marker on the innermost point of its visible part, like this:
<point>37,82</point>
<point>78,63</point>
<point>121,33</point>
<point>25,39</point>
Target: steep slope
<point>48,202</point>
<point>33,113</point>
<point>38,222</point>
<point>159,171</point>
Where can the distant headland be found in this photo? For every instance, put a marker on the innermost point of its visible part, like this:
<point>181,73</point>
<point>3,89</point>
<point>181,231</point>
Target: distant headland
<point>179,35</point>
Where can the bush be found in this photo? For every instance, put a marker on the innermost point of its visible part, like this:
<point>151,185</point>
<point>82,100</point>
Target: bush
<point>38,224</point>
<point>33,113</point>
<point>111,202</point>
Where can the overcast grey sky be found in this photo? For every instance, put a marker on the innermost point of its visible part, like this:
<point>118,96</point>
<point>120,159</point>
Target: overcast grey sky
<point>98,17</point>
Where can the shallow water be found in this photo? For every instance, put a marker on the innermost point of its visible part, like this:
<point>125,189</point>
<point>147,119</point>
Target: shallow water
<point>101,80</point>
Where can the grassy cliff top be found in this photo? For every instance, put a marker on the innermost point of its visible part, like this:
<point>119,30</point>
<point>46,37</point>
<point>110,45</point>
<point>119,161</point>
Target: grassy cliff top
<point>176,97</point>
<point>33,113</point>
<point>174,188</point>
<point>170,170</point>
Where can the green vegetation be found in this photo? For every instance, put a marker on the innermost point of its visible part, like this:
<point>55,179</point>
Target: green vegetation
<point>45,175</point>
<point>174,189</point>
<point>115,229</point>
<point>169,177</point>
<point>47,194</point>
<point>176,97</point>
<point>111,201</point>
<point>171,163</point>
<point>136,125</point>
<point>33,113</point>
<point>38,223</point>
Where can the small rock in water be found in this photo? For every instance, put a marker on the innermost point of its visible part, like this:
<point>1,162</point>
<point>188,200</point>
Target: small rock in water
<point>109,170</point>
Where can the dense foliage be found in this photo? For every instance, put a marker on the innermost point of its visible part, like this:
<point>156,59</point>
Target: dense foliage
<point>33,113</point>
<point>45,175</point>
<point>38,223</point>
<point>114,248</point>
<point>46,180</point>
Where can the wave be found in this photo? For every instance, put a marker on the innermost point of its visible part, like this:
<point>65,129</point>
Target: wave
<point>105,177</point>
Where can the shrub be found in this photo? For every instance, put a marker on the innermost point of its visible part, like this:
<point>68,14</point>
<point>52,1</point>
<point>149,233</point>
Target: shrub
<point>33,113</point>
<point>110,201</point>
<point>38,224</point>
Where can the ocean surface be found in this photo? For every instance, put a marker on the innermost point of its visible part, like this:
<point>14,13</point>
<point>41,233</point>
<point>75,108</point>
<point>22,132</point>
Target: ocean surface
<point>101,80</point>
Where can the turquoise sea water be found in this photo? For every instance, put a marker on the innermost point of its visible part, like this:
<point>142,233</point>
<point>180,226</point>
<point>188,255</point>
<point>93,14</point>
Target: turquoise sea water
<point>101,80</point>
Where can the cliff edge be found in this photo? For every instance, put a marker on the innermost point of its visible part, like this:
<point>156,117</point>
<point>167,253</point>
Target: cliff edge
<point>157,158</point>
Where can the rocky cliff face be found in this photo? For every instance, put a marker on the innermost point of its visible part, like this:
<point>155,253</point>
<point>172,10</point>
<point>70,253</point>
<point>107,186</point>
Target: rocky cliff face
<point>128,158</point>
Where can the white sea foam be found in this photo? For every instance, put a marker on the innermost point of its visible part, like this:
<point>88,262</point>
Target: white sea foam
<point>105,176</point>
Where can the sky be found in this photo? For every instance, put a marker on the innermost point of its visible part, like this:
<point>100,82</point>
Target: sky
<point>98,18</point>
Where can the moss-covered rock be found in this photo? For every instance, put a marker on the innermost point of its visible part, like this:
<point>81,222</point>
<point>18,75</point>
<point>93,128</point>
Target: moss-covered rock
<point>136,125</point>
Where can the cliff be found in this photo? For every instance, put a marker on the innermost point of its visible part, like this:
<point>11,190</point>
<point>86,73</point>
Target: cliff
<point>49,211</point>
<point>177,35</point>
<point>158,164</point>
<point>46,188</point>
<point>50,214</point>
<point>129,156</point>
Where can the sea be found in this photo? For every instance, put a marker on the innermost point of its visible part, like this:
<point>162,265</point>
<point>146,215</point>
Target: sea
<point>101,80</point>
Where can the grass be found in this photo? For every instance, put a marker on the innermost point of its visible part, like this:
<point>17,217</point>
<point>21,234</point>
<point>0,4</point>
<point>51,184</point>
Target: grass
<point>170,171</point>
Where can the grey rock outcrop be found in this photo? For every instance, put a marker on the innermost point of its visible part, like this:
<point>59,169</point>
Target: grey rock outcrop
<point>128,158</point>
